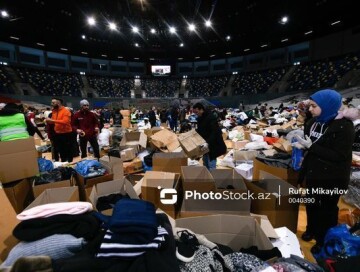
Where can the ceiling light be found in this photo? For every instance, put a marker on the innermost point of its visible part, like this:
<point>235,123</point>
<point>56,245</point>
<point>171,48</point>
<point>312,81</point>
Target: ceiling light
<point>172,29</point>
<point>136,45</point>
<point>180,58</point>
<point>264,45</point>
<point>211,56</point>
<point>151,59</point>
<point>228,38</point>
<point>284,40</point>
<point>228,53</point>
<point>247,49</point>
<point>63,49</point>
<point>136,58</point>
<point>84,53</point>
<point>192,27</point>
<point>181,45</point>
<point>284,20</point>
<point>112,26</point>
<point>104,55</point>
<point>153,31</point>
<point>309,32</point>
<point>120,57</point>
<point>91,21</point>
<point>197,57</point>
<point>135,29</point>
<point>208,23</point>
<point>4,14</point>
<point>83,37</point>
<point>334,23</point>
<point>40,44</point>
<point>14,38</point>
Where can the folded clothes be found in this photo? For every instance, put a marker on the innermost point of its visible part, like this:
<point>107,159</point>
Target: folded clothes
<point>54,209</point>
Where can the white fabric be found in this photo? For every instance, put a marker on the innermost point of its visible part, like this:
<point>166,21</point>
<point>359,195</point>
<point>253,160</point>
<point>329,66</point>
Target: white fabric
<point>51,209</point>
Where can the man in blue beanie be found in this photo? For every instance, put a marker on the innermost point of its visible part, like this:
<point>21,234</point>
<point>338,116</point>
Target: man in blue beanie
<point>326,165</point>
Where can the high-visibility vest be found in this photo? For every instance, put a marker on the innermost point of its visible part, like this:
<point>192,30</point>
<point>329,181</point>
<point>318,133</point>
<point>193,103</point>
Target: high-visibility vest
<point>13,127</point>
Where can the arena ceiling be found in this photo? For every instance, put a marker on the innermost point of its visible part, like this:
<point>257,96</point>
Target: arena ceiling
<point>252,25</point>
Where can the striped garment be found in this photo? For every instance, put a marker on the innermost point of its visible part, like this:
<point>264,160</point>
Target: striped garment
<point>111,247</point>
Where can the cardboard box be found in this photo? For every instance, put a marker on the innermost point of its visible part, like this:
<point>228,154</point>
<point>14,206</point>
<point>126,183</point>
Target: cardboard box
<point>240,144</point>
<point>56,195</point>
<point>38,189</point>
<point>191,143</point>
<point>224,200</point>
<point>169,162</point>
<point>125,123</point>
<point>128,154</point>
<point>165,140</point>
<point>134,166</point>
<point>197,178</point>
<point>134,139</point>
<point>86,183</point>
<point>277,206</point>
<point>283,145</point>
<point>151,188</point>
<point>150,132</point>
<point>125,112</point>
<point>19,194</point>
<point>18,160</point>
<point>119,186</point>
<point>234,231</point>
<point>115,164</point>
<point>7,212</point>
<point>242,155</point>
<point>285,174</point>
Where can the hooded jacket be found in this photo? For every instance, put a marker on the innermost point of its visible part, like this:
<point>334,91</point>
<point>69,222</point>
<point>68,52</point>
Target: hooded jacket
<point>208,128</point>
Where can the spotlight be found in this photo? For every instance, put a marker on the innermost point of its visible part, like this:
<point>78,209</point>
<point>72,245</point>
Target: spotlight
<point>135,29</point>
<point>112,26</point>
<point>172,29</point>
<point>192,27</point>
<point>208,23</point>
<point>153,31</point>
<point>4,14</point>
<point>91,21</point>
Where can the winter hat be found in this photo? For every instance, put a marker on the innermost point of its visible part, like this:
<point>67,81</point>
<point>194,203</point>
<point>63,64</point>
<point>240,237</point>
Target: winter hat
<point>329,101</point>
<point>84,102</point>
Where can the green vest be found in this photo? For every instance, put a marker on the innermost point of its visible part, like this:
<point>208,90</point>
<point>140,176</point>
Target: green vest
<point>13,127</point>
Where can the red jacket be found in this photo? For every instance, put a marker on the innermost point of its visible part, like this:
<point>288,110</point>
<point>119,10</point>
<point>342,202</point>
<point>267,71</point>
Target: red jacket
<point>86,121</point>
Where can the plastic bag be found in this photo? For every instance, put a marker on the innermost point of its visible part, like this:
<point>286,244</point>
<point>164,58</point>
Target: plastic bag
<point>83,167</point>
<point>45,165</point>
<point>340,243</point>
<point>296,157</point>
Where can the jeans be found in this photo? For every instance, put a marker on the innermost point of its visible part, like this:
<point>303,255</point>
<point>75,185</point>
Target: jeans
<point>209,164</point>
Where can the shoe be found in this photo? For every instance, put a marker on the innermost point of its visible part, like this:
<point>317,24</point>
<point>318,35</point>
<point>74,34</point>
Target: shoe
<point>186,246</point>
<point>316,249</point>
<point>307,236</point>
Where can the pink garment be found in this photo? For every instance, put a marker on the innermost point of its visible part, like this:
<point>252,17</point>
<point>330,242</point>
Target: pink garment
<point>51,209</point>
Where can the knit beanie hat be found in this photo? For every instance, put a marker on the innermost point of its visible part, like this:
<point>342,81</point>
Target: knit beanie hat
<point>329,101</point>
<point>84,102</point>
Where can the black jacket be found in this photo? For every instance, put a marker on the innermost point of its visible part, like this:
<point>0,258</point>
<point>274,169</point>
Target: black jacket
<point>208,128</point>
<point>327,163</point>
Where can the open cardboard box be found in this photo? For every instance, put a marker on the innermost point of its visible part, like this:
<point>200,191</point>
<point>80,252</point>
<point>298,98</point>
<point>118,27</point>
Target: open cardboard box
<point>56,195</point>
<point>235,231</point>
<point>191,143</point>
<point>19,194</point>
<point>165,140</point>
<point>120,186</point>
<point>151,188</point>
<point>285,174</point>
<point>38,189</point>
<point>18,160</point>
<point>197,178</point>
<point>134,139</point>
<point>169,162</point>
<point>234,201</point>
<point>278,208</point>
<point>7,240</point>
